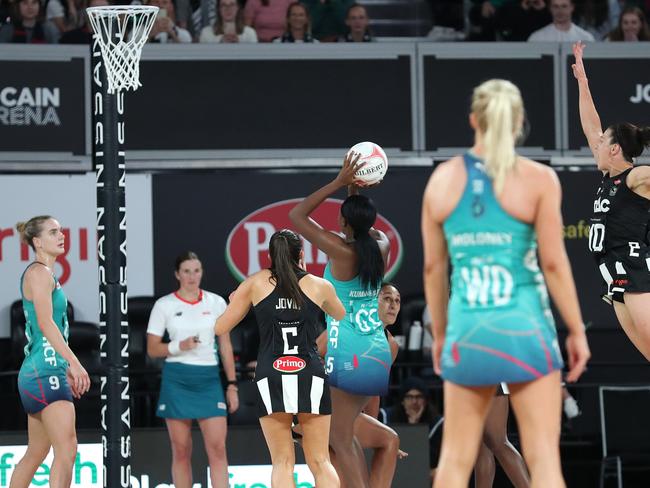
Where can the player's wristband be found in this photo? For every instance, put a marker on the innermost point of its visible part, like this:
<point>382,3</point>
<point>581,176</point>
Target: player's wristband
<point>174,348</point>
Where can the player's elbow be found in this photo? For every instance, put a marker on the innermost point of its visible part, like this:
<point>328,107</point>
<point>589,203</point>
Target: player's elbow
<point>295,215</point>
<point>340,314</point>
<point>552,264</point>
<point>434,267</point>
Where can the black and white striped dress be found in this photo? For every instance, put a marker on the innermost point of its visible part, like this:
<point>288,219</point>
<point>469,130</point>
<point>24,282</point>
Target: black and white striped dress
<point>290,376</point>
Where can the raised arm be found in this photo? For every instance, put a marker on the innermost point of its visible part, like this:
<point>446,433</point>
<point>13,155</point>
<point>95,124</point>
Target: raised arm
<point>240,303</point>
<point>329,243</point>
<point>435,274</point>
<point>589,118</point>
<point>555,265</point>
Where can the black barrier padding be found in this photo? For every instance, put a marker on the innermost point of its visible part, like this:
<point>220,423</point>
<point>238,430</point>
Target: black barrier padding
<point>278,104</point>
<point>57,128</point>
<point>620,89</point>
<point>448,86</point>
<point>197,211</point>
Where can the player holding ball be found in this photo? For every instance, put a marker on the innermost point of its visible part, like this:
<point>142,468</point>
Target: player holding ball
<point>358,356</point>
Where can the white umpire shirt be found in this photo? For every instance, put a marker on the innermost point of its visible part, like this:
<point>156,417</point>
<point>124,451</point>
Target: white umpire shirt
<point>183,319</point>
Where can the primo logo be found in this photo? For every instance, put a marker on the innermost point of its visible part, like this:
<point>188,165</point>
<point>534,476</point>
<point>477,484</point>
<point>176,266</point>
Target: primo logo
<point>642,94</point>
<point>29,106</point>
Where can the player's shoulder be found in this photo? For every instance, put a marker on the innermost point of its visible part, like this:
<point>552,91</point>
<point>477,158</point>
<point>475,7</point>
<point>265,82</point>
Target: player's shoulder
<point>260,278</point>
<point>38,271</point>
<point>540,173</point>
<point>639,172</point>
<point>446,171</point>
<point>314,280</point>
<point>450,166</point>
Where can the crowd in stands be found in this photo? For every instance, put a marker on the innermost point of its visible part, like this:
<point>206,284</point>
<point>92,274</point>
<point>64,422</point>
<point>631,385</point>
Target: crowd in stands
<point>280,21</point>
<point>186,21</point>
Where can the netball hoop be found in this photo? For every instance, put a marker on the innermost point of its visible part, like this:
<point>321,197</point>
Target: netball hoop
<point>121,32</point>
<point>119,35</point>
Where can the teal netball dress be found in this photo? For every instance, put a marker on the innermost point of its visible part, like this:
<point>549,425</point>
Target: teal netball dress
<point>500,327</point>
<point>358,357</point>
<point>42,377</point>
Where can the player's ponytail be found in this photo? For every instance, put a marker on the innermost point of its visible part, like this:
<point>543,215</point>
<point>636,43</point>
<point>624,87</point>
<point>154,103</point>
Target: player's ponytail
<point>30,229</point>
<point>284,248</point>
<point>360,214</point>
<point>632,139</point>
<point>499,112</point>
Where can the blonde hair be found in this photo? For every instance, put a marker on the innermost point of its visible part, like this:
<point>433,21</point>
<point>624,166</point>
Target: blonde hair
<point>32,228</point>
<point>499,112</point>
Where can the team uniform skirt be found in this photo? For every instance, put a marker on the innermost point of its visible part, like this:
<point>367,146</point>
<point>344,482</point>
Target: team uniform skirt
<point>188,391</point>
<point>39,387</point>
<point>357,363</point>
<point>281,390</point>
<point>623,273</point>
<point>501,346</point>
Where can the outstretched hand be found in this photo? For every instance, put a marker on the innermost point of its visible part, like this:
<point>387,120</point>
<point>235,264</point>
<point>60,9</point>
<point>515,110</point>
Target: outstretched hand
<point>579,67</point>
<point>347,175</point>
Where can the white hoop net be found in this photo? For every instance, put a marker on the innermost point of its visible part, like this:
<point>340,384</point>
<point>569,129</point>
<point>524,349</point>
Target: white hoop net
<point>122,31</point>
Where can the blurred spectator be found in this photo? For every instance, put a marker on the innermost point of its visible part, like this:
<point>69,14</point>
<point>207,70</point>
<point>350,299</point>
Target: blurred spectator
<point>414,407</point>
<point>65,14</point>
<point>164,29</point>
<point>518,20</point>
<point>267,17</point>
<point>561,29</point>
<point>328,18</point>
<point>598,17</point>
<point>298,25</point>
<point>632,26</point>
<point>357,22</point>
<point>448,20</point>
<point>229,26</point>
<point>482,19</point>
<point>194,15</point>
<point>27,26</point>
<point>83,34</point>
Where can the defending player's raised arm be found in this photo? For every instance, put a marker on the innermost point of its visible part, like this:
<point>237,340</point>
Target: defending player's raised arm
<point>326,241</point>
<point>331,304</point>
<point>240,303</point>
<point>589,118</point>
